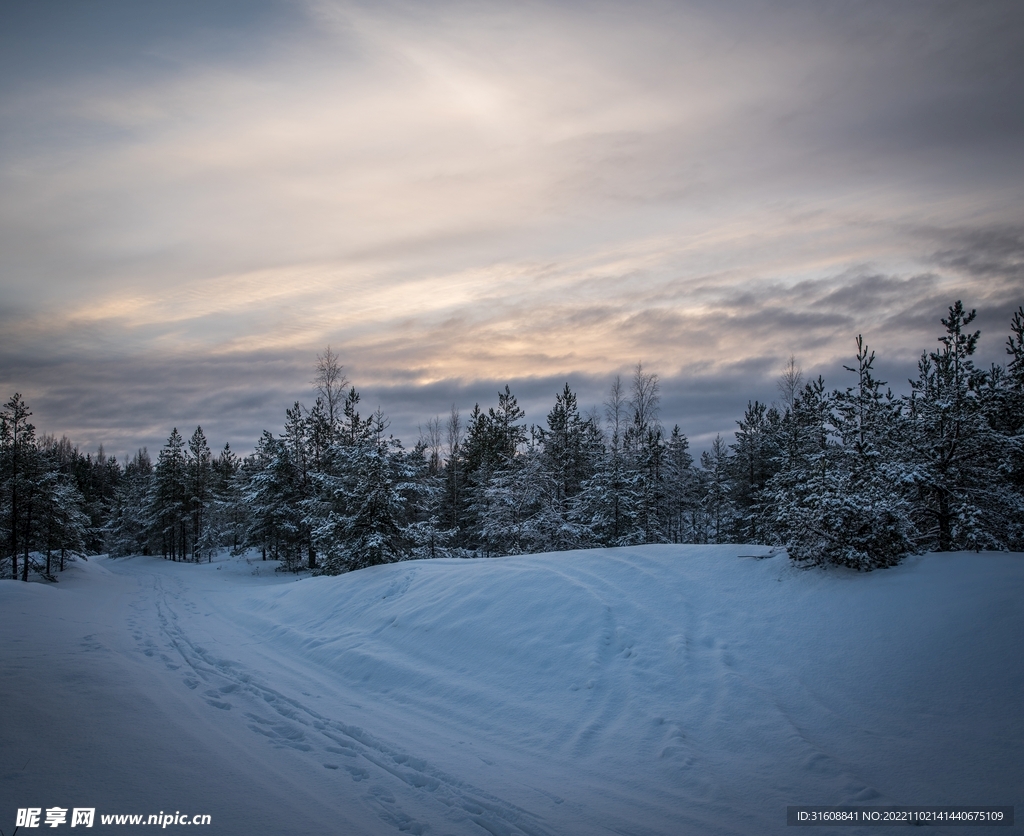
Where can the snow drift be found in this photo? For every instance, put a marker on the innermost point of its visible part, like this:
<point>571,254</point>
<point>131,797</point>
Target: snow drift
<point>648,690</point>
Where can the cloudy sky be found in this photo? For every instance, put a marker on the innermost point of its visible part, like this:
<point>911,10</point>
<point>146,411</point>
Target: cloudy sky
<point>197,197</point>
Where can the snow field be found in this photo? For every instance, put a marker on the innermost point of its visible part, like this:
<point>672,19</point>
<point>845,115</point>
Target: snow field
<point>649,690</point>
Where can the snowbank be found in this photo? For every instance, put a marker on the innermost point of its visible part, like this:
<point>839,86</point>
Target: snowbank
<point>650,690</point>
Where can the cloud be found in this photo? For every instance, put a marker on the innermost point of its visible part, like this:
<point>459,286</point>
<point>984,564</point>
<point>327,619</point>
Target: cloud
<point>985,253</point>
<point>453,198</point>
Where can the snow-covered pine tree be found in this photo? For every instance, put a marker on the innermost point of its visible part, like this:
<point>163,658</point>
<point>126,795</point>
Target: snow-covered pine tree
<point>433,488</point>
<point>41,508</point>
<point>492,440</point>
<point>228,522</point>
<point>569,452</point>
<point>65,525</point>
<point>423,490</point>
<point>364,527</point>
<point>872,526</point>
<point>97,478</point>
<point>800,500</point>
<point>963,500</point>
<point>200,475</point>
<point>264,495</point>
<point>1011,424</point>
<point>518,514</point>
<point>645,445</point>
<point>605,507</point>
<point>715,514</point>
<point>353,428</point>
<point>331,507</point>
<point>754,460</point>
<point>322,434</point>
<point>375,532</point>
<point>18,466</point>
<point>128,528</point>
<point>452,511</point>
<point>296,479</point>
<point>168,509</point>
<point>680,488</point>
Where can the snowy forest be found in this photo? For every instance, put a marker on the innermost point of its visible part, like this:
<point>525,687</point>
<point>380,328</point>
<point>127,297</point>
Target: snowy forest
<point>854,476</point>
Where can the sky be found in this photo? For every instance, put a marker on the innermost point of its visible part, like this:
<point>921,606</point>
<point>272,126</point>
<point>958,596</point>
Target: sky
<point>198,197</point>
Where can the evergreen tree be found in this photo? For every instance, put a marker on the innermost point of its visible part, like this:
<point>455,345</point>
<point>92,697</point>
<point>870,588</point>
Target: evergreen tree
<point>265,496</point>
<point>680,488</point>
<point>518,514</point>
<point>491,443</point>
<point>754,461</point>
<point>65,525</point>
<point>376,533</point>
<point>874,528</point>
<point>19,466</point>
<point>569,452</point>
<point>715,514</point>
<point>423,492</point>
<point>839,496</point>
<point>297,471</point>
<point>228,524</point>
<point>97,478</point>
<point>128,529</point>
<point>645,447</point>
<point>1007,405</point>
<point>41,508</point>
<point>606,505</point>
<point>364,520</point>
<point>169,505</point>
<point>200,474</point>
<point>453,501</point>
<point>956,453</point>
<point>800,511</point>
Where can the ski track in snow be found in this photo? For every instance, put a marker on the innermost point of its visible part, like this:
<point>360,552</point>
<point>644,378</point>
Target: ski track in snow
<point>642,692</point>
<point>286,721</point>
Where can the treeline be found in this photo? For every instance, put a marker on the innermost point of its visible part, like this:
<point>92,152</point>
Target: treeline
<point>54,500</point>
<point>855,476</point>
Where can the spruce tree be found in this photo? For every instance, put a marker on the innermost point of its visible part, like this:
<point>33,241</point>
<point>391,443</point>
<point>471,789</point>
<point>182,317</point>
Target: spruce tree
<point>716,519</point>
<point>168,505</point>
<point>872,514</point>
<point>18,467</point>
<point>1011,424</point>
<point>229,519</point>
<point>956,453</point>
<point>800,499</point>
<point>680,488</point>
<point>200,476</point>
<point>129,528</point>
<point>362,523</point>
<point>567,454</point>
<point>754,461</point>
<point>518,514</point>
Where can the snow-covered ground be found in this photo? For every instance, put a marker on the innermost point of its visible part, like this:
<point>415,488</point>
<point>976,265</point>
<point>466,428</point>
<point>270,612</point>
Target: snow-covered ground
<point>649,690</point>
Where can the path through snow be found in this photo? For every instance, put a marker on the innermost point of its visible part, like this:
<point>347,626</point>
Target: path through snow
<point>652,690</point>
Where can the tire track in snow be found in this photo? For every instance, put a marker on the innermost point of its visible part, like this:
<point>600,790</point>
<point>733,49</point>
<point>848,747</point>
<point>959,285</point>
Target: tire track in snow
<point>729,684</point>
<point>294,724</point>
